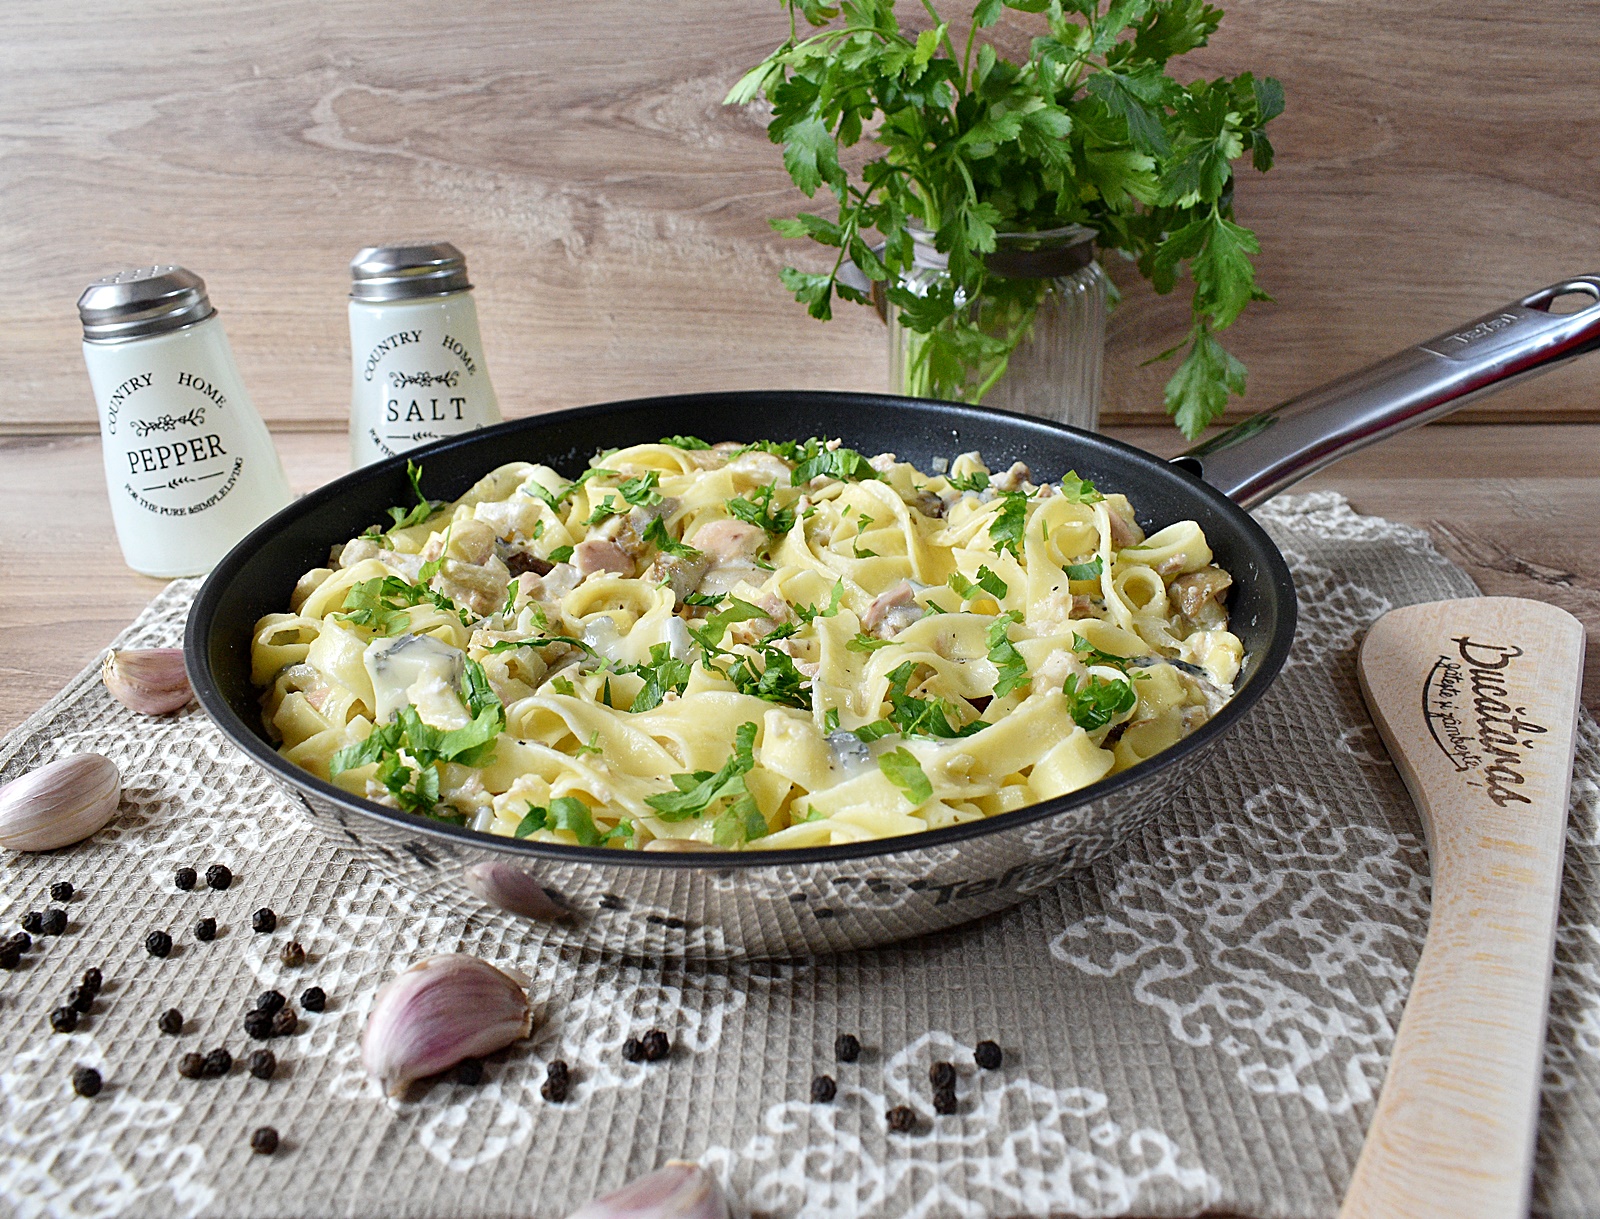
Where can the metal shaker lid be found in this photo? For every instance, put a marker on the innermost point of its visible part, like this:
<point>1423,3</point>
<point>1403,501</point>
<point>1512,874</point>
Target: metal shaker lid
<point>140,302</point>
<point>407,270</point>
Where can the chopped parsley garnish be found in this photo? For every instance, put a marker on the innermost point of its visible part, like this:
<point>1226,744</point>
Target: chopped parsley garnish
<point>913,716</point>
<point>426,746</point>
<point>564,813</point>
<point>986,582</point>
<point>656,534</point>
<point>512,588</point>
<point>554,500</point>
<point>1005,530</point>
<point>562,685</point>
<point>1077,490</point>
<point>381,604</point>
<point>709,633</point>
<point>560,554</point>
<point>810,613</point>
<point>903,770</point>
<point>1085,571</point>
<point>606,508</point>
<point>641,491</point>
<point>705,599</point>
<point>868,643</point>
<point>830,720</point>
<point>1013,670</point>
<point>1091,655</point>
<point>661,673</point>
<point>1095,703</point>
<point>684,442</point>
<point>544,641</point>
<point>758,510</point>
<point>592,747</point>
<point>821,462</point>
<point>778,681</point>
<point>404,518</point>
<point>698,791</point>
<point>862,521</point>
<point>976,481</point>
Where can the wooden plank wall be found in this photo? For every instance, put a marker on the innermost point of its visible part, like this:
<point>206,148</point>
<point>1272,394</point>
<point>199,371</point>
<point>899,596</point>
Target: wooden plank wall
<point>1436,158</point>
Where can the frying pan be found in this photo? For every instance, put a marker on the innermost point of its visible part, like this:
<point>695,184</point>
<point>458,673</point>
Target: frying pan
<point>827,899</point>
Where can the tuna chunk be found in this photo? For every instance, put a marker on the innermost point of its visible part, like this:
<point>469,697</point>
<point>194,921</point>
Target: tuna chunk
<point>593,556</point>
<point>892,611</point>
<point>729,541</point>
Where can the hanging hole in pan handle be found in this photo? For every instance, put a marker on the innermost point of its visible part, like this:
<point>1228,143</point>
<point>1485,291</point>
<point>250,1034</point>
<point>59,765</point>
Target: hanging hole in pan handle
<point>1566,298</point>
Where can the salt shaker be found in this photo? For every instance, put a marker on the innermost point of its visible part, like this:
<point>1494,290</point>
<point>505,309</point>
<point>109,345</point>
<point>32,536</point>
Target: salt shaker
<point>189,464</point>
<point>416,357</point>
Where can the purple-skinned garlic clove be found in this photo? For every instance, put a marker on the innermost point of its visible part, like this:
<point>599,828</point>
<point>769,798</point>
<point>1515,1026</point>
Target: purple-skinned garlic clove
<point>436,1013</point>
<point>679,1191</point>
<point>151,681</point>
<point>59,804</point>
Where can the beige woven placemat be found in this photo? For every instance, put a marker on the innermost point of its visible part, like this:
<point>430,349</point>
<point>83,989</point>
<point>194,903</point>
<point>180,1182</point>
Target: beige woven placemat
<point>1198,1024</point>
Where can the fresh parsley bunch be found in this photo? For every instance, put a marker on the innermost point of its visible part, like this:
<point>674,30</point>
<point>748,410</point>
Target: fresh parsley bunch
<point>1090,129</point>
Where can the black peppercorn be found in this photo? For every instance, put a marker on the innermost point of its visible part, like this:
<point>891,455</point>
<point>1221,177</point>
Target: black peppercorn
<point>264,1140</point>
<point>185,879</point>
<point>270,1001</point>
<point>902,1119</point>
<point>61,891</point>
<point>987,1055</point>
<point>558,1070</point>
<point>21,941</point>
<point>823,1090</point>
<point>85,1081</point>
<point>218,877</point>
<point>81,999</point>
<point>942,1075</point>
<point>655,1045</point>
<point>846,1048</point>
<point>469,1071</point>
<point>54,921</point>
<point>218,1062</point>
<point>944,1100</point>
<point>312,999</point>
<point>158,943</point>
<point>285,1022</point>
<point>33,921</point>
<point>10,956</point>
<point>293,954</point>
<point>633,1050</point>
<point>263,921</point>
<point>94,980</point>
<point>63,1020</point>
<point>258,1024</point>
<point>191,1066</point>
<point>170,1022</point>
<point>206,929</point>
<point>262,1063</point>
<point>554,1089</point>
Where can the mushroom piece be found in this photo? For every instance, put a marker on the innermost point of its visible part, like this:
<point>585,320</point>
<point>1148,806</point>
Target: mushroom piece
<point>892,611</point>
<point>592,556</point>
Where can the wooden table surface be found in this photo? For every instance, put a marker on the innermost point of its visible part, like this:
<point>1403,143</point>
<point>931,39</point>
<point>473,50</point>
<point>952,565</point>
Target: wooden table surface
<point>1516,505</point>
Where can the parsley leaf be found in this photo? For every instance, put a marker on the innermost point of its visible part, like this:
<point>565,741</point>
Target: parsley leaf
<point>987,582</point>
<point>543,641</point>
<point>661,673</point>
<point>1077,490</point>
<point>656,534</point>
<point>976,481</point>
<point>1085,571</point>
<point>902,769</point>
<point>1095,703</point>
<point>868,643</point>
<point>709,633</point>
<point>1006,529</point>
<point>684,442</point>
<point>404,518</point>
<point>778,681</point>
<point>1013,670</point>
<point>592,747</point>
<point>641,491</point>
<point>698,790</point>
<point>844,464</point>
<point>810,613</point>
<point>560,554</point>
<point>862,521</point>
<point>564,813</point>
<point>606,508</point>
<point>380,604</point>
<point>913,716</point>
<point>758,510</point>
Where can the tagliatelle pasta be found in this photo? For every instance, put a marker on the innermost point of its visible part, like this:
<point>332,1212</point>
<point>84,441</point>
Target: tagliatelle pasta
<point>772,645</point>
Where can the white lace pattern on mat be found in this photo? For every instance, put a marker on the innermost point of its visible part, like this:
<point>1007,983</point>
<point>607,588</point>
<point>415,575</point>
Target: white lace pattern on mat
<point>1283,937</point>
<point>1015,1147</point>
<point>1574,1030</point>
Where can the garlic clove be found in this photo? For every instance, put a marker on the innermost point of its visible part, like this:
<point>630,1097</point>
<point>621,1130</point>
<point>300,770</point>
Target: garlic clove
<point>510,888</point>
<point>679,1191</point>
<point>151,681</point>
<point>437,1012</point>
<point>59,804</point>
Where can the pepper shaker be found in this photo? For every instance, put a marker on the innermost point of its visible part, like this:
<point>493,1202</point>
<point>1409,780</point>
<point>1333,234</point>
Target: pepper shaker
<point>417,366</point>
<point>189,464</point>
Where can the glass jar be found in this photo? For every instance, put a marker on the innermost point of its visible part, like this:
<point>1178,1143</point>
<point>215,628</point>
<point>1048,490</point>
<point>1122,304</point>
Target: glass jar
<point>1043,320</point>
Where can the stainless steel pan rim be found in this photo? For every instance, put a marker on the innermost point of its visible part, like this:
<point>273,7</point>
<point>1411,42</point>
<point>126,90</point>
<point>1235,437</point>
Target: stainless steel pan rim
<point>1261,668</point>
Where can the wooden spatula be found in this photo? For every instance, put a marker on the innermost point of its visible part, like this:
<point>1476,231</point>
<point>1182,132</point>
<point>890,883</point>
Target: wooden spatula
<point>1477,701</point>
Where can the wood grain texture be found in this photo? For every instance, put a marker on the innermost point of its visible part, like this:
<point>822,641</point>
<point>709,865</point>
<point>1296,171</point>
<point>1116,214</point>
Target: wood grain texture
<point>1523,497</point>
<point>1477,702</point>
<point>1433,163</point>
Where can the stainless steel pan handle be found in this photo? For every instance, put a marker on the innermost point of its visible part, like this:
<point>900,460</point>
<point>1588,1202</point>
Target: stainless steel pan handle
<point>1277,448</point>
